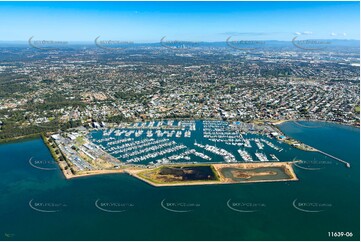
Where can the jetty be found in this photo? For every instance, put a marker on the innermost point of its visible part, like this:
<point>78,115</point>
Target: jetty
<point>333,157</point>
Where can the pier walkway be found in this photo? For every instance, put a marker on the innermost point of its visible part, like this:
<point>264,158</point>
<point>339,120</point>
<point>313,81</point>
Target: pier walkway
<point>333,157</point>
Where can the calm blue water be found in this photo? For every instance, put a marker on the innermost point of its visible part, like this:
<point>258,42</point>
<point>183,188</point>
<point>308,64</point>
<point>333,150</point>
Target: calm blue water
<point>287,152</point>
<point>333,188</point>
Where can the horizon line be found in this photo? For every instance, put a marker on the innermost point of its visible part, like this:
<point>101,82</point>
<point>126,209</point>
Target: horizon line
<point>171,40</point>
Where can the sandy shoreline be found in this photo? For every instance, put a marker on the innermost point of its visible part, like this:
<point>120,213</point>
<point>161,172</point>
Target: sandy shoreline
<point>280,122</point>
<point>93,173</point>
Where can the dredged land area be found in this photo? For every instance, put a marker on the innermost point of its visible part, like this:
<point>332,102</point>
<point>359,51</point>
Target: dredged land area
<point>211,174</point>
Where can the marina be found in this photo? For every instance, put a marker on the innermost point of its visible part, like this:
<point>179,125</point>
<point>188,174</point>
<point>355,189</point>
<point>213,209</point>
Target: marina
<point>163,142</point>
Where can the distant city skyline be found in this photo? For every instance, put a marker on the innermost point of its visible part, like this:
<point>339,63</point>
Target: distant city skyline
<point>148,22</point>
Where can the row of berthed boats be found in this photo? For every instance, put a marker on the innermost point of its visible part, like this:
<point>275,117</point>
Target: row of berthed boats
<point>149,133</point>
<point>156,154</point>
<point>161,146</point>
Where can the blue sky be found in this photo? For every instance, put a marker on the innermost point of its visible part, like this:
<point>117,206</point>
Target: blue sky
<point>188,21</point>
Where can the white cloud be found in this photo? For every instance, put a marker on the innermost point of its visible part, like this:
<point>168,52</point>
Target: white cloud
<point>307,32</point>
